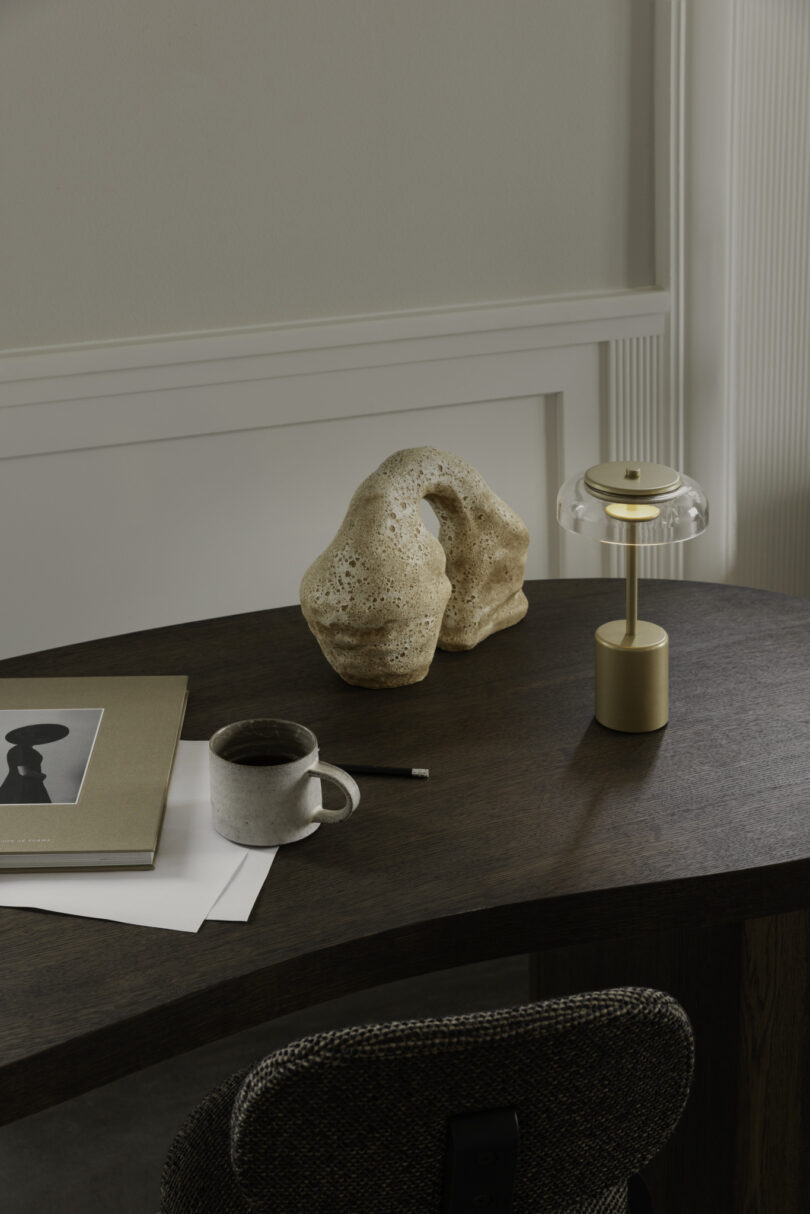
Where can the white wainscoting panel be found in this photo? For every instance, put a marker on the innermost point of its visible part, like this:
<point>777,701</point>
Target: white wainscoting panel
<point>148,483</point>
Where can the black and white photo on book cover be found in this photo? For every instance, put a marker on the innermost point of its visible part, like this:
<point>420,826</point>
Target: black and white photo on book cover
<point>47,753</point>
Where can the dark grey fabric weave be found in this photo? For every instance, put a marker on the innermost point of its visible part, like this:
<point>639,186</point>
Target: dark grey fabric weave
<point>355,1121</point>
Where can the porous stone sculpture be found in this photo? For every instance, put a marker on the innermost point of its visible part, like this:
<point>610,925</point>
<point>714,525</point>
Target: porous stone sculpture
<point>386,592</point>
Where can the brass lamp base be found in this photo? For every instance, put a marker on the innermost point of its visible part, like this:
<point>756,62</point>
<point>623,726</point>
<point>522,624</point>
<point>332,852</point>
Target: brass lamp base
<point>632,677</point>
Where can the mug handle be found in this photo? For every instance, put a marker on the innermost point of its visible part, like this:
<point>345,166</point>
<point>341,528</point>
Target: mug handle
<point>348,786</point>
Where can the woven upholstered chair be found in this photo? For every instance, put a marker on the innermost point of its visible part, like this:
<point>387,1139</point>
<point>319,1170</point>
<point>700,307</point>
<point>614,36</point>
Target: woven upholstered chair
<point>549,1107</point>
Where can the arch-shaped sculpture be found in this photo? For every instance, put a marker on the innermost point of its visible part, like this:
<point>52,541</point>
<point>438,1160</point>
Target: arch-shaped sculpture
<point>386,592</point>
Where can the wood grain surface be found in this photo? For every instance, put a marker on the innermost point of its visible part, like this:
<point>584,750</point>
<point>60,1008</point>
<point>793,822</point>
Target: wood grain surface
<point>537,829</point>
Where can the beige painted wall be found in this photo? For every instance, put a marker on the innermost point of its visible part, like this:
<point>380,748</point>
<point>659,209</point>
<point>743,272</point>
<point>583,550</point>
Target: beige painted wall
<point>183,165</point>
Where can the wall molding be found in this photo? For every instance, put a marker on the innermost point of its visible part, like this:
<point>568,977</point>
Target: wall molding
<point>568,311</point>
<point>705,304</point>
<point>72,398</point>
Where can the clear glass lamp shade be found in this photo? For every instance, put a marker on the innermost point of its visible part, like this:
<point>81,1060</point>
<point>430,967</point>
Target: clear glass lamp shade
<point>675,508</point>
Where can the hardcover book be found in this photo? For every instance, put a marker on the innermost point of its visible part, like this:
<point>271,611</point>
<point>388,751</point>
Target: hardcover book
<point>88,766</point>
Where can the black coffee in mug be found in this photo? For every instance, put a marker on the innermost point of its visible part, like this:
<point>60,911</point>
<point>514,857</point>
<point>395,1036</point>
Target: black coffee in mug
<point>260,754</point>
<point>262,759</point>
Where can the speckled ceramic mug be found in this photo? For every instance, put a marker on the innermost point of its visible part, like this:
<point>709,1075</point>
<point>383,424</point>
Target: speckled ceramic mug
<point>266,783</point>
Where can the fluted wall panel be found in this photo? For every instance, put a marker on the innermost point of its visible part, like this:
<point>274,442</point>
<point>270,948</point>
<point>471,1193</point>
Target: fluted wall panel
<point>770,293</point>
<point>640,425</point>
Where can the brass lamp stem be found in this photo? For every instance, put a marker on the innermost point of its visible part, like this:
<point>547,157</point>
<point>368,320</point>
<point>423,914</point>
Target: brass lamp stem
<point>631,593</point>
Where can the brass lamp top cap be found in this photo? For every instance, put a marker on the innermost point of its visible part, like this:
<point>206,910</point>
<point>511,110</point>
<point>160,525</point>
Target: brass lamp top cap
<point>632,478</point>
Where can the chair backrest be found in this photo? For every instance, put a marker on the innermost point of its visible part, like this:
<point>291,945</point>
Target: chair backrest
<point>358,1121</point>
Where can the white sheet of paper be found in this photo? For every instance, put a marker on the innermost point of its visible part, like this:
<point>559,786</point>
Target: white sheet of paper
<point>197,873</point>
<point>236,901</point>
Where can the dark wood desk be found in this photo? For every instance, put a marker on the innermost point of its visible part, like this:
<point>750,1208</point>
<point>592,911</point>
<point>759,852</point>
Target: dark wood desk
<point>679,859</point>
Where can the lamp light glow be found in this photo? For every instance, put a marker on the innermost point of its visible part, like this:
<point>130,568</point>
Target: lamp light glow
<point>632,512</point>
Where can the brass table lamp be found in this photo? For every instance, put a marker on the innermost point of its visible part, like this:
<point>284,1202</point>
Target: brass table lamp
<point>633,504</point>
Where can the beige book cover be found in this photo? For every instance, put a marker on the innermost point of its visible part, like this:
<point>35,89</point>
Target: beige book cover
<point>85,769</point>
